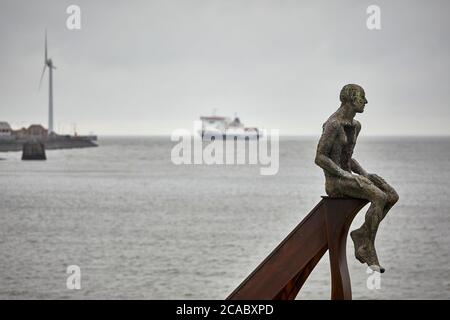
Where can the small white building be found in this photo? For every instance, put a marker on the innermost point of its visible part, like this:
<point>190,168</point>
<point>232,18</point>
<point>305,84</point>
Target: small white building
<point>5,129</point>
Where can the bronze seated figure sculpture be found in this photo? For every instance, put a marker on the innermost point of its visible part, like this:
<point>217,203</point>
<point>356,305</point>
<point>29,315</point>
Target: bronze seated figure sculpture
<point>344,176</point>
<point>283,272</point>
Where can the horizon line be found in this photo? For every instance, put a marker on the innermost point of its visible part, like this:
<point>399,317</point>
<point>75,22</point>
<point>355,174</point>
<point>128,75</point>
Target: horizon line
<point>291,135</point>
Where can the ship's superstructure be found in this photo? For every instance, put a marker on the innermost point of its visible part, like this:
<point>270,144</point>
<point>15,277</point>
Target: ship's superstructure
<point>225,128</point>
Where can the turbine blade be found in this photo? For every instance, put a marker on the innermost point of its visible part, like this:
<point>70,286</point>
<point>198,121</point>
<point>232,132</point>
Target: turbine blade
<point>42,76</point>
<point>45,61</point>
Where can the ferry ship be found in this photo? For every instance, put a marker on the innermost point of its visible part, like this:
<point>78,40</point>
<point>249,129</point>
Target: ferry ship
<point>218,127</point>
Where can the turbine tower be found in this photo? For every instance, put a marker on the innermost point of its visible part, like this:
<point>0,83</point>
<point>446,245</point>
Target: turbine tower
<point>48,63</point>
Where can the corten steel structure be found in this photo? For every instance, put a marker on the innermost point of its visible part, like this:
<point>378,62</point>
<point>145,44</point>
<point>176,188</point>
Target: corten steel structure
<point>282,274</point>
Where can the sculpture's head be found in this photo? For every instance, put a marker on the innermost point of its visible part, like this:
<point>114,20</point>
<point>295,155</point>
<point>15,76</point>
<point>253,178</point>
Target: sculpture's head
<point>355,96</point>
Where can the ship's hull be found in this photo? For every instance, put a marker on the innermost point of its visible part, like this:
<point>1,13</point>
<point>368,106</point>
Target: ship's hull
<point>207,135</point>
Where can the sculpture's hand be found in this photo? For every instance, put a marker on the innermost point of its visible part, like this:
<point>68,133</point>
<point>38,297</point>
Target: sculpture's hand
<point>362,181</point>
<point>376,178</point>
<point>345,174</point>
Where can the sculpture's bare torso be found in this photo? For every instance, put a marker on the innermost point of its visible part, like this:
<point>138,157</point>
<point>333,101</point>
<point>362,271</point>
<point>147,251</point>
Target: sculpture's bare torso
<point>334,156</point>
<point>342,149</point>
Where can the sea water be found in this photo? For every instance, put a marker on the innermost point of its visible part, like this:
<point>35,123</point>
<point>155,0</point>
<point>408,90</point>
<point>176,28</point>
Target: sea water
<point>140,227</point>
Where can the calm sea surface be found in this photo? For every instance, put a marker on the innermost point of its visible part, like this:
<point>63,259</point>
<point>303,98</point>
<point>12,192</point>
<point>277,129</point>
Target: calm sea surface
<point>141,227</point>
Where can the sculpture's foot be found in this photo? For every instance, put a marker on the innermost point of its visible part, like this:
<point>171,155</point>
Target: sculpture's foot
<point>365,250</point>
<point>377,268</point>
<point>359,244</point>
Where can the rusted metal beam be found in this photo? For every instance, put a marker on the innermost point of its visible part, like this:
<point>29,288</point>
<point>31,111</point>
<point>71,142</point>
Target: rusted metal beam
<point>282,274</point>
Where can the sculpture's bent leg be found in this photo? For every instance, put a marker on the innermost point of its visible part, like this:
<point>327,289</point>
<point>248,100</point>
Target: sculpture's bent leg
<point>364,237</point>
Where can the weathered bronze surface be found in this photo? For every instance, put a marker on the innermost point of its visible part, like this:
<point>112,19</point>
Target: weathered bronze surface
<point>345,177</point>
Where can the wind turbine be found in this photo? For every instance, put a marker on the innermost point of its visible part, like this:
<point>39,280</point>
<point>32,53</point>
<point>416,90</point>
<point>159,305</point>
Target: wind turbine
<point>48,63</point>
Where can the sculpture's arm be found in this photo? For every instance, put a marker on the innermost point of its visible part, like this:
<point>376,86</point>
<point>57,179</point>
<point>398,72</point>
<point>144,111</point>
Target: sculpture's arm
<point>356,168</point>
<point>329,134</point>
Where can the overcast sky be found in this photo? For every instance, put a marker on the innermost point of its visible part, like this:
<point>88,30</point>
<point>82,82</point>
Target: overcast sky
<point>149,67</point>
